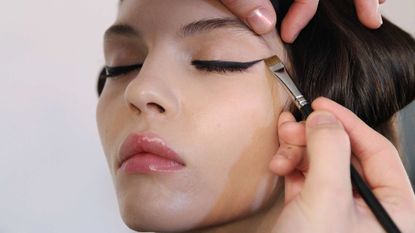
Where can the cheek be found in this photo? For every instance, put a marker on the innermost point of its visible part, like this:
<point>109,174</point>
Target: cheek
<point>102,121</point>
<point>240,138</point>
<point>227,135</point>
<point>109,125</point>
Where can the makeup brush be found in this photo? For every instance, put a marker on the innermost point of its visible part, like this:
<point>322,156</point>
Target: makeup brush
<point>277,68</point>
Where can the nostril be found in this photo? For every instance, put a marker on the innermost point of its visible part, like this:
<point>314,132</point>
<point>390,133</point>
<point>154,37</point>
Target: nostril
<point>134,108</point>
<point>156,107</point>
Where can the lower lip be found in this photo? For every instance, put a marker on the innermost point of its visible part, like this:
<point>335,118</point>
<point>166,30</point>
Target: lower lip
<point>147,163</point>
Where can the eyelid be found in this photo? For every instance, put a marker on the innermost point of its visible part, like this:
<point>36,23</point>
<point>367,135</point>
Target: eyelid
<point>208,65</point>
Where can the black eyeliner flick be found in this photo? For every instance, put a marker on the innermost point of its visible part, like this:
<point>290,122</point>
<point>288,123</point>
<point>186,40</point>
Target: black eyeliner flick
<point>222,66</point>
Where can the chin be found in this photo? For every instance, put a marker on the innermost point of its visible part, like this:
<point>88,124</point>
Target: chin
<point>158,215</point>
<point>154,216</point>
<point>151,221</point>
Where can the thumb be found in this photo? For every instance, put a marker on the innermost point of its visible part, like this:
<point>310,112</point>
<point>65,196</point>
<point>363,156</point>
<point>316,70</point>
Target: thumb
<point>328,148</point>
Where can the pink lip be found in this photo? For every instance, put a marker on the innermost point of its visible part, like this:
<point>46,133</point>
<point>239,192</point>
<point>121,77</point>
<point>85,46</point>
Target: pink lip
<point>145,153</point>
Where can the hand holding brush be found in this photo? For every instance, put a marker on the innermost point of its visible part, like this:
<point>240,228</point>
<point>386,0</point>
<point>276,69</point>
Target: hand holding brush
<point>315,160</point>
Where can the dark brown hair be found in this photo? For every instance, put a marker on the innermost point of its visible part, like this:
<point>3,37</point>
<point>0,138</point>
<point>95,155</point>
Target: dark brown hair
<point>371,72</point>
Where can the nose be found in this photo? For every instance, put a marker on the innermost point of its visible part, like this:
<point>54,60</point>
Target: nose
<point>146,102</point>
<point>151,95</point>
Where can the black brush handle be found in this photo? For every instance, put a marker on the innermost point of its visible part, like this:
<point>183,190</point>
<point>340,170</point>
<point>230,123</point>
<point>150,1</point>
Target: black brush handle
<point>375,206</point>
<point>306,110</point>
<point>380,213</point>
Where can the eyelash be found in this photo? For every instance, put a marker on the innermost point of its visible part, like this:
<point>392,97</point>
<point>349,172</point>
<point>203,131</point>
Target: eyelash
<point>117,71</point>
<point>209,66</point>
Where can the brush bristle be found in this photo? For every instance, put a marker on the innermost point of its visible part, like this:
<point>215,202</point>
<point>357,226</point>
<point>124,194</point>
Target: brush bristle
<point>271,61</point>
<point>274,63</point>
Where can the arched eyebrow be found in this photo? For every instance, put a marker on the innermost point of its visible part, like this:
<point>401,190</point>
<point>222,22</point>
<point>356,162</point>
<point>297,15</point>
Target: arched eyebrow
<point>120,30</point>
<point>205,25</point>
<point>193,28</point>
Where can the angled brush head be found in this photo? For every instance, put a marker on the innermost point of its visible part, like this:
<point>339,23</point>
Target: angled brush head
<point>274,63</point>
<point>277,68</point>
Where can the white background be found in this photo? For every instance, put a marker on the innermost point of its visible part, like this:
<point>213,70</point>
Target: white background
<point>53,175</point>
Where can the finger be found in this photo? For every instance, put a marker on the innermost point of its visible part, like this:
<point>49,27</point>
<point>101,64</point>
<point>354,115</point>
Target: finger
<point>285,117</point>
<point>259,15</point>
<point>328,147</point>
<point>378,158</point>
<point>287,156</point>
<point>297,17</point>
<point>291,154</point>
<point>293,184</point>
<point>368,13</point>
<point>290,131</point>
<point>289,159</point>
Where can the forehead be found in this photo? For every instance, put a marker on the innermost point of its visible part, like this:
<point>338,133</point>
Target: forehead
<point>168,15</point>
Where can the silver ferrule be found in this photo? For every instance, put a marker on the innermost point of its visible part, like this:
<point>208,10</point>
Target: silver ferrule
<point>280,72</point>
<point>300,101</point>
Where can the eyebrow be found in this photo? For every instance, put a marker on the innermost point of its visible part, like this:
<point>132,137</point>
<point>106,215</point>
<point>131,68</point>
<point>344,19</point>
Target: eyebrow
<point>200,26</point>
<point>120,30</point>
<point>205,25</point>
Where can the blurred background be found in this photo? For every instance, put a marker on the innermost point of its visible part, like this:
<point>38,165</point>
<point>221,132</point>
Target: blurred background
<point>53,175</point>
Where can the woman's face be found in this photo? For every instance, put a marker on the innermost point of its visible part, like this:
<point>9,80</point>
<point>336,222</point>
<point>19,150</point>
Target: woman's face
<point>221,122</point>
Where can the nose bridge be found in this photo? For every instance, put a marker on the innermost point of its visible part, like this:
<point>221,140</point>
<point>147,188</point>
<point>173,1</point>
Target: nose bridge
<point>153,92</point>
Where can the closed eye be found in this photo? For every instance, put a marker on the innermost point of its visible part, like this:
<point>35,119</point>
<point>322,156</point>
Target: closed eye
<point>204,65</point>
<point>223,66</point>
<point>115,72</point>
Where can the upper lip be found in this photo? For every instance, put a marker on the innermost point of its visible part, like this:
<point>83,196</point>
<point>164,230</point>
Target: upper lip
<point>137,143</point>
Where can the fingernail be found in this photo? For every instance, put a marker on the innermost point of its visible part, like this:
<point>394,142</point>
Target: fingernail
<point>259,20</point>
<point>321,119</point>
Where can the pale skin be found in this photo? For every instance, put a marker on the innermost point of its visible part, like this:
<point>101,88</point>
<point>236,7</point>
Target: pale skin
<point>229,129</point>
<point>223,125</point>
<point>260,15</point>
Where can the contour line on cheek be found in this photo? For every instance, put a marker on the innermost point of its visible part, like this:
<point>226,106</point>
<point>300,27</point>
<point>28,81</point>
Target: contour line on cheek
<point>264,187</point>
